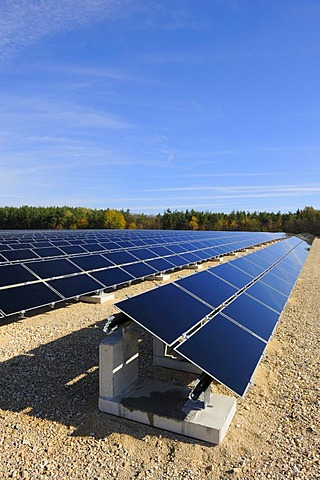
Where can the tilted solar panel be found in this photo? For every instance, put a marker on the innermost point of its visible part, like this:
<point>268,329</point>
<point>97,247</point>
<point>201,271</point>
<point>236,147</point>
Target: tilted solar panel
<point>154,311</point>
<point>228,341</point>
<point>225,351</point>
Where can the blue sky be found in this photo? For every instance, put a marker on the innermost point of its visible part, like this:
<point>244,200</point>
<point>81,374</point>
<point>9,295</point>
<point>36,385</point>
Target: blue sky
<point>156,104</point>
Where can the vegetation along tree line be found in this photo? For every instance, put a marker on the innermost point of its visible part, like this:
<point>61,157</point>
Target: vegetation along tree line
<point>27,217</point>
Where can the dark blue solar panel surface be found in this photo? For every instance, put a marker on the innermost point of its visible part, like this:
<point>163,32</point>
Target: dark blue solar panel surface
<point>143,253</point>
<point>208,288</point>
<point>160,264</point>
<point>275,282</point>
<point>121,258</point>
<point>228,346</point>
<point>253,315</point>
<point>74,286</point>
<point>228,273</point>
<point>91,262</point>
<point>52,268</point>
<point>19,255</point>
<point>267,295</point>
<point>225,351</point>
<point>177,260</point>
<point>15,274</point>
<point>154,311</point>
<point>113,277</point>
<point>16,299</point>
<point>49,252</point>
<point>248,267</point>
<point>139,270</point>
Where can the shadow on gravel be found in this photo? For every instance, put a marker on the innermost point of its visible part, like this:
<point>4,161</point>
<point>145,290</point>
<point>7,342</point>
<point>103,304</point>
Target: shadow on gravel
<point>59,381</point>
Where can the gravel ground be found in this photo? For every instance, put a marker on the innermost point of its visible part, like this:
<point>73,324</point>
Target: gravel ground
<point>51,428</point>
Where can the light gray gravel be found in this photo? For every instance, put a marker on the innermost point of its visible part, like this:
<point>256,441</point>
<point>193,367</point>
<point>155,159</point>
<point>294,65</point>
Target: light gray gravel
<point>51,428</point>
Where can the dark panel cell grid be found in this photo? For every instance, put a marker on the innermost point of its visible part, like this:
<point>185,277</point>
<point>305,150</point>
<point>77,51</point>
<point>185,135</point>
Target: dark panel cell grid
<point>230,274</point>
<point>14,255</point>
<point>120,258</point>
<point>48,252</point>
<point>252,315</point>
<point>75,286</point>
<point>16,299</point>
<point>208,288</point>
<point>160,264</point>
<point>15,274</point>
<point>52,268</point>
<point>155,310</point>
<point>91,262</point>
<point>267,295</point>
<point>226,352</point>
<point>113,277</point>
<point>139,270</point>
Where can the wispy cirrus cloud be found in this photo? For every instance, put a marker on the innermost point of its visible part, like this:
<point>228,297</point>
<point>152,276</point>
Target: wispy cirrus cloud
<point>247,189</point>
<point>24,22</point>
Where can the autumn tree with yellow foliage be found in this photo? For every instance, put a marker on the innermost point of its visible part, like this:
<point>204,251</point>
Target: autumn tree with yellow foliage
<point>114,220</point>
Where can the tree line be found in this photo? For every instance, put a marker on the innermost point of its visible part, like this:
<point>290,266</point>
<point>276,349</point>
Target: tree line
<point>27,217</point>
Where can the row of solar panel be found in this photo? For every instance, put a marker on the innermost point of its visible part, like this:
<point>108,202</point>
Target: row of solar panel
<point>22,285</point>
<point>21,290</point>
<point>97,235</point>
<point>24,251</point>
<point>249,293</point>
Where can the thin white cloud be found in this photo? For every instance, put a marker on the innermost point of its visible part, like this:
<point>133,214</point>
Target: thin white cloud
<point>25,22</point>
<point>274,189</point>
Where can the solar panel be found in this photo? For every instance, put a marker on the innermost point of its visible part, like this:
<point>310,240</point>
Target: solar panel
<point>93,247</point>
<point>92,262</point>
<point>52,268</point>
<point>17,299</point>
<point>143,253</point>
<point>208,288</point>
<point>267,295</point>
<point>248,267</point>
<point>13,255</point>
<point>139,270</point>
<point>71,287</point>
<point>72,249</point>
<point>112,277</point>
<point>277,283</point>
<point>160,264</point>
<point>191,257</point>
<point>153,310</point>
<point>177,260</point>
<point>250,295</point>
<point>252,315</point>
<point>49,252</point>
<point>15,274</point>
<point>232,275</point>
<point>225,351</point>
<point>120,258</point>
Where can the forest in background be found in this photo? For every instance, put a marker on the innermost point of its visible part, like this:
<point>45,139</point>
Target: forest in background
<point>306,220</point>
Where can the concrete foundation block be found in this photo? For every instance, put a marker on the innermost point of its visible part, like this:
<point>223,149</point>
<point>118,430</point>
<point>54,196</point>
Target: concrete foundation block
<point>104,297</point>
<point>153,402</point>
<point>161,277</point>
<point>166,406</point>
<point>162,357</point>
<point>195,267</point>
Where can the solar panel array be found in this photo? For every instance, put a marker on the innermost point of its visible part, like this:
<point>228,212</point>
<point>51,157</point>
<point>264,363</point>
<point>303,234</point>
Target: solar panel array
<point>221,319</point>
<point>40,268</point>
